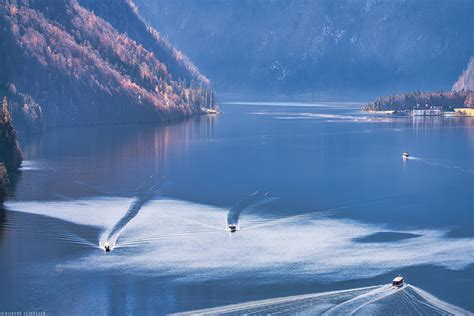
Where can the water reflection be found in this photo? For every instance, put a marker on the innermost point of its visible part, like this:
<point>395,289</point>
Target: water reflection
<point>175,256</point>
<point>429,122</point>
<point>11,185</point>
<point>109,160</point>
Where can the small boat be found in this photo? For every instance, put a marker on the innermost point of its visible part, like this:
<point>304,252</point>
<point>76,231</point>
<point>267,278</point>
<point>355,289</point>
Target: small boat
<point>405,155</point>
<point>398,281</point>
<point>209,111</point>
<point>107,247</point>
<point>232,228</point>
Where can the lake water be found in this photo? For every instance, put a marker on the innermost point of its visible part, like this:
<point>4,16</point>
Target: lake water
<point>321,197</point>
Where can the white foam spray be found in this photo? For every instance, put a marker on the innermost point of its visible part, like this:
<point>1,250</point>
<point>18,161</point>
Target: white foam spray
<point>345,302</point>
<point>188,241</point>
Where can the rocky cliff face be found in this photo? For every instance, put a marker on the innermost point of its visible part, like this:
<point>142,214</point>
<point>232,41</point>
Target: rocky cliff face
<point>10,153</point>
<point>377,46</point>
<point>466,80</point>
<point>62,64</point>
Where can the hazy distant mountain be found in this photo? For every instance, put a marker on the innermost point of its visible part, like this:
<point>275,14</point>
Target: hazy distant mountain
<point>375,46</point>
<point>466,80</point>
<point>64,64</point>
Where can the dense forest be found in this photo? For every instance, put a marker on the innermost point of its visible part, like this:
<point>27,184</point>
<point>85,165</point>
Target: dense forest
<point>338,47</point>
<point>10,153</point>
<point>63,64</point>
<point>407,101</point>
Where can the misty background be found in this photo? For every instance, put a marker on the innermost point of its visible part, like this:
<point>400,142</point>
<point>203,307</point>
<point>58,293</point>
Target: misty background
<point>320,48</point>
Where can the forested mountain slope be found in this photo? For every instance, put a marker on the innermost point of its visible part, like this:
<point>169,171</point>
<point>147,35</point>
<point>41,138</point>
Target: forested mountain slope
<point>62,64</point>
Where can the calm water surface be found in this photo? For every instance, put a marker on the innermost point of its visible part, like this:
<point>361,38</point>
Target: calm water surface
<point>337,208</point>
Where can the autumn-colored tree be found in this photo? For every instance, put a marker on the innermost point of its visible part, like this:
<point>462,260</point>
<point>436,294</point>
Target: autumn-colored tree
<point>82,53</point>
<point>5,109</point>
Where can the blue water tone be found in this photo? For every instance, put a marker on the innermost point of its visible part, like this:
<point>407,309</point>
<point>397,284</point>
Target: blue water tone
<point>336,211</point>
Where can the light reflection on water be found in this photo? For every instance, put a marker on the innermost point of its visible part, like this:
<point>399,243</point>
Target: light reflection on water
<point>342,192</point>
<point>190,242</point>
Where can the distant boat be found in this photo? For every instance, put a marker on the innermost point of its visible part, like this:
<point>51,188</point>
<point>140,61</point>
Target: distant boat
<point>107,247</point>
<point>398,281</point>
<point>232,228</point>
<point>209,111</point>
<point>405,155</point>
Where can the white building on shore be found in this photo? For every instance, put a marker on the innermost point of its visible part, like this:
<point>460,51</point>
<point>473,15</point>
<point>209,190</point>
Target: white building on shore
<point>427,111</point>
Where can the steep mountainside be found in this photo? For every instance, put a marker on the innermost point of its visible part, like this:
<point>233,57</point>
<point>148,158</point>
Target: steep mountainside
<point>62,64</point>
<point>466,80</point>
<point>10,153</point>
<point>375,46</point>
<point>125,18</point>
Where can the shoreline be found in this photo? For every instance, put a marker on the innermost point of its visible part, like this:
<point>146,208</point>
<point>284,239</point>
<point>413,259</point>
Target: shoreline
<point>458,112</point>
<point>3,184</point>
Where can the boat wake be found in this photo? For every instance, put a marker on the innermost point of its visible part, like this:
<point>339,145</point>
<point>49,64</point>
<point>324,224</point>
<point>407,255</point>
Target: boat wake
<point>376,300</point>
<point>253,200</point>
<point>191,242</point>
<point>344,105</point>
<point>435,163</point>
<point>43,227</point>
<point>145,193</point>
<point>325,117</point>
